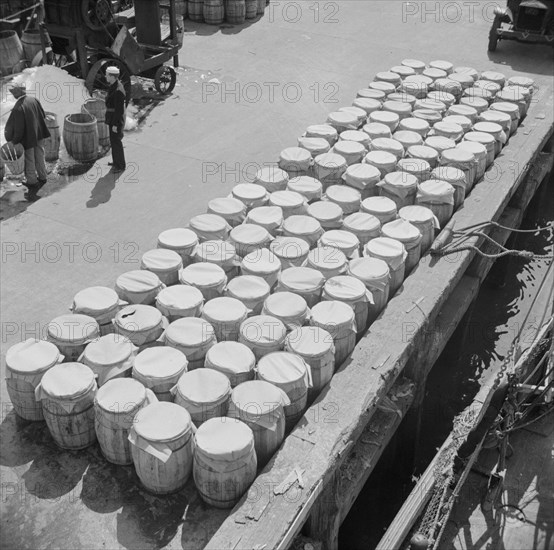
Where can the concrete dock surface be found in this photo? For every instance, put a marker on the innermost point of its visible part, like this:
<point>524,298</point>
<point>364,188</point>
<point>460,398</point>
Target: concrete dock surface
<point>243,94</point>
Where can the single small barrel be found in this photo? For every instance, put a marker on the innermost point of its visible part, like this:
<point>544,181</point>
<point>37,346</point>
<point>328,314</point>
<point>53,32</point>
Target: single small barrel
<point>179,301</point>
<point>80,136</point>
<point>165,263</point>
<point>99,302</point>
<point>233,359</point>
<point>263,334</point>
<point>225,315</point>
<point>139,323</point>
<point>71,334</point>
<point>250,290</point>
<point>138,287</point>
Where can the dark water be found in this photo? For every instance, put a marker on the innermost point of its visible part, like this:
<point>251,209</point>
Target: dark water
<point>453,382</point>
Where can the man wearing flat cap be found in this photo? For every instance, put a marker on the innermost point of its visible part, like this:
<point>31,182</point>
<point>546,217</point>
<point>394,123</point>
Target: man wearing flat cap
<point>27,125</point>
<point>115,117</point>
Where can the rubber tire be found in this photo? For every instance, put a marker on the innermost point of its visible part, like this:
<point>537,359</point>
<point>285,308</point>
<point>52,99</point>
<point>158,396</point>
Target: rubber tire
<point>157,79</point>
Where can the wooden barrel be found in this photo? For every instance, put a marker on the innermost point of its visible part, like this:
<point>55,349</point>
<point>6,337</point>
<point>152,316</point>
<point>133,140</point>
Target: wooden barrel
<point>179,301</point>
<point>193,337</point>
<point>52,144</point>
<point>343,240</point>
<point>159,368</point>
<point>224,461</point>
<point>307,228</point>
<point>328,214</point>
<point>259,405</point>
<point>138,286</point>
<point>109,356</point>
<point>290,308</point>
<point>214,12</point>
<point>291,373</point>
<point>181,240</point>
<point>410,236</point>
<point>249,237</point>
<point>225,314</point>
<point>11,53</point>
<point>251,9</point>
<point>26,364</point>
<point>139,323</point>
<point>165,263</point>
<point>67,393</point>
<point>71,334</point>
<point>116,404</point>
<point>210,279</point>
<point>438,196</point>
<point>161,438</point>
<point>263,334</point>
<point>291,251</point>
<point>30,40</point>
<point>262,263</point>
<point>394,253</point>
<point>304,281</point>
<point>250,290</point>
<point>233,359</point>
<point>339,320</point>
<point>101,303</point>
<point>181,7</point>
<point>13,156</point>
<point>204,393</point>
<point>424,219</point>
<point>235,11</point>
<point>315,345</point>
<point>229,208</point>
<point>96,107</point>
<point>328,260</point>
<point>80,135</point>
<point>196,10</point>
<point>220,253</point>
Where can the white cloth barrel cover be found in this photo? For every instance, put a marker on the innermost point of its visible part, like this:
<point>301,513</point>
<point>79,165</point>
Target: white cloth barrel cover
<point>210,227</point>
<point>138,287</point>
<point>304,281</point>
<point>291,251</point>
<point>141,324</point>
<point>164,263</point>
<point>250,290</point>
<point>250,194</point>
<point>288,307</point>
<point>234,360</point>
<point>229,208</point>
<point>310,188</point>
<point>71,333</point>
<point>179,301</point>
<point>99,302</point>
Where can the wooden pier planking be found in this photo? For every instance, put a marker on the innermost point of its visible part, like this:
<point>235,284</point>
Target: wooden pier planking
<point>332,425</point>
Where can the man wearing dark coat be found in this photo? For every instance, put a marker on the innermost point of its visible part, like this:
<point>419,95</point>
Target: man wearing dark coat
<point>27,125</point>
<point>115,118</point>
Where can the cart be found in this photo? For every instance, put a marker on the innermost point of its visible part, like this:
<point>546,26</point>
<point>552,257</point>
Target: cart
<point>88,37</point>
<point>525,21</point>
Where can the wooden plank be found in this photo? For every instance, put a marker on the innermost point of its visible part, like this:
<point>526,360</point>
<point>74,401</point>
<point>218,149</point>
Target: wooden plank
<point>337,418</point>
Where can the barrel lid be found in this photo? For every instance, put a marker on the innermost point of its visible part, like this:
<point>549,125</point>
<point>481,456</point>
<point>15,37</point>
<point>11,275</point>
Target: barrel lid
<point>424,152</point>
<point>369,269</point>
<point>361,222</point>
<point>344,288</point>
<point>270,176</point>
<point>257,397</point>
<point>435,188</point>
<point>415,64</point>
<point>138,317</point>
<point>75,328</point>
<point>398,107</point>
<point>285,305</point>
<point>370,93</point>
<point>343,195</point>
<point>448,85</point>
<point>385,248</point>
<point>414,124</point>
<point>467,70</point>
<point>402,70</point>
<point>379,205</point>
<point>324,211</point>
<point>202,275</point>
<point>68,380</point>
<point>417,88</point>
<point>346,147</point>
<point>440,143</point>
<point>444,97</point>
<point>330,160</point>
<point>266,216</point>
<point>230,358</point>
<point>385,117</point>
<point>307,186</point>
<point>326,258</point>
<point>177,238</point>
<point>286,199</point>
<point>474,94</point>
<point>162,421</point>
<point>496,116</point>
<point>419,79</point>
<point>442,65</point>
<point>428,115</point>
<point>402,97</point>
<point>215,251</point>
<point>281,367</point>
<point>388,76</point>
<point>332,314</point>
<point>354,135</point>
<point>402,231</point>
<point>400,179</point>
<point>226,207</point>
<point>416,214</point>
<point>180,297</point>
<point>462,121</point>
<point>224,439</point>
<point>480,137</point>
<point>448,129</point>
<point>190,331</point>
<point>249,191</point>
<point>478,149</point>
<point>201,386</point>
<point>458,156</point>
<point>388,144</point>
<point>494,76</point>
<point>261,261</point>
<point>289,247</point>
<point>506,107</point>
<point>465,80</point>
<point>32,356</point>
<point>358,112</point>
<point>361,174</point>
<point>463,110</point>
<point>248,287</point>
<point>309,341</point>
<point>121,395</point>
<point>224,309</point>
<point>413,166</point>
<point>263,329</point>
<point>386,87</point>
<point>321,130</point>
<point>432,104</point>
<point>453,176</point>
<point>302,279</point>
<point>250,233</point>
<point>380,159</point>
<point>138,281</point>
<point>524,81</point>
<point>108,350</point>
<point>434,73</point>
<point>161,259</point>
<point>94,300</point>
<point>338,238</point>
<point>377,129</point>
<point>295,155</point>
<point>491,87</point>
<point>315,145</point>
<point>407,138</point>
<point>488,127</point>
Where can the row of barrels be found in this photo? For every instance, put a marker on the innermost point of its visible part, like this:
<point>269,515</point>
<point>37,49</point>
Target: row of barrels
<point>215,12</point>
<point>247,313</point>
<point>18,53</point>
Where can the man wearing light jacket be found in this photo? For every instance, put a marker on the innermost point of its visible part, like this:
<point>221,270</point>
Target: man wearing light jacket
<point>115,118</point>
